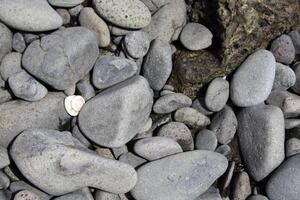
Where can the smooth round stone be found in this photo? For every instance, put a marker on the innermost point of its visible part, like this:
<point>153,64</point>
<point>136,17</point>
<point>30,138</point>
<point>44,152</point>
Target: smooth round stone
<point>65,3</point>
<point>291,123</point>
<point>199,105</point>
<point>253,81</point>
<point>206,140</point>
<point>217,94</point>
<point>29,15</point>
<point>195,36</point>
<point>157,65</point>
<point>296,87</point>
<point>62,58</point>
<point>191,117</point>
<point>255,122</point>
<point>241,186</point>
<point>187,175</point>
<point>285,77</point>
<point>65,15</point>
<point>211,194</point>
<point>26,195</point>
<point>4,160</point>
<point>132,159</point>
<point>180,133</point>
<point>85,89</point>
<point>171,102</point>
<point>121,111</point>
<point>257,197</point>
<point>292,147</point>
<point>124,13</point>
<point>4,181</point>
<point>11,64</point>
<point>110,70</point>
<point>283,49</point>
<point>5,40</point>
<point>101,195</point>
<point>136,43</point>
<point>154,148</point>
<point>285,181</point>
<point>295,36</point>
<point>89,19</point>
<point>18,43</point>
<point>224,149</point>
<point>224,124</point>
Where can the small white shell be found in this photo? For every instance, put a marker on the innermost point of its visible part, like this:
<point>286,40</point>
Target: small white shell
<point>73,104</point>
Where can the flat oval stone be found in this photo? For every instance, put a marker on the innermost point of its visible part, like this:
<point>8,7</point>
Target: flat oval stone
<point>191,117</point>
<point>125,13</point>
<point>136,43</point>
<point>283,49</point>
<point>29,15</point>
<point>154,148</point>
<point>62,58</point>
<point>121,111</point>
<point>65,3</point>
<point>253,81</point>
<point>296,87</point>
<point>110,70</point>
<point>285,77</point>
<point>171,102</point>
<point>206,140</point>
<point>263,127</point>
<point>5,40</point>
<point>217,94</point>
<point>285,182</point>
<point>187,175</point>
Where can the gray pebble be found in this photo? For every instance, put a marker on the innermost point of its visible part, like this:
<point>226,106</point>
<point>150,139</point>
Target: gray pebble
<point>285,181</point>
<point>4,160</point>
<point>283,49</point>
<point>5,40</point>
<point>195,37</point>
<point>18,43</point>
<point>157,65</point>
<point>101,195</point>
<point>82,194</point>
<point>169,87</point>
<point>296,87</point>
<point>224,149</point>
<point>26,87</point>
<point>117,40</point>
<point>124,13</point>
<point>206,140</point>
<point>5,195</point>
<point>291,123</point>
<point>187,175</point>
<point>74,12</point>
<point>165,92</point>
<point>154,148</point>
<point>132,159</point>
<point>199,105</point>
<point>180,133</point>
<point>85,89</point>
<point>30,37</point>
<point>29,15</point>
<point>22,186</point>
<point>136,43</point>
<point>76,132</point>
<point>171,102</point>
<point>5,95</point>
<point>118,151</point>
<point>224,124</point>
<point>65,15</point>
<point>118,31</point>
<point>63,57</point>
<point>110,70</point>
<point>241,186</point>
<point>70,91</point>
<point>191,117</point>
<point>212,193</point>
<point>253,81</point>
<point>217,94</point>
<point>295,36</point>
<point>284,78</point>
<point>263,127</point>
<point>257,197</point>
<point>121,111</point>
<point>26,195</point>
<point>11,64</point>
<point>4,181</point>
<point>292,147</point>
<point>65,3</point>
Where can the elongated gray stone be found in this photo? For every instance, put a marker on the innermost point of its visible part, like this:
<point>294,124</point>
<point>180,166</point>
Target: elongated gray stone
<point>217,94</point>
<point>191,117</point>
<point>284,78</point>
<point>171,102</point>
<point>5,40</point>
<point>183,176</point>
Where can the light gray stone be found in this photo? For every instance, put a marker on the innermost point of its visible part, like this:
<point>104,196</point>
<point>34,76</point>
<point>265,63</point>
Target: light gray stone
<point>62,58</point>
<point>171,102</point>
<point>295,36</point>
<point>291,123</point>
<point>183,176</point>
<point>30,37</point>
<point>18,43</point>
<point>284,78</point>
<point>137,43</point>
<point>263,127</point>
<point>22,186</point>
<point>124,13</point>
<point>74,12</point>
<point>292,147</point>
<point>85,89</point>
<point>4,160</point>
<point>65,3</point>
<point>157,65</point>
<point>132,159</point>
<point>285,181</point>
<point>17,116</point>
<point>217,94</point>
<point>29,15</point>
<point>58,164</point>
<point>5,95</point>
<point>224,124</point>
<point>191,117</point>
<point>82,194</point>
<point>26,195</point>
<point>253,81</point>
<point>11,64</point>
<point>211,194</point>
<point>5,40</point>
<point>121,111</point>
<point>206,140</point>
<point>110,70</point>
<point>283,49</point>
<point>70,91</point>
<point>224,149</point>
<point>296,87</point>
<point>101,195</point>
<point>195,37</point>
<point>4,181</point>
<point>118,31</point>
<point>165,92</point>
<point>76,132</point>
<point>65,15</point>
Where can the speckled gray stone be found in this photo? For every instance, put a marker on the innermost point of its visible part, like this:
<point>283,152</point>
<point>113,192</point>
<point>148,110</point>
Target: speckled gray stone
<point>26,195</point>
<point>224,124</point>
<point>187,175</point>
<point>284,78</point>
<point>195,36</point>
<point>295,36</point>
<point>110,70</point>
<point>101,195</point>
<point>132,159</point>
<point>292,147</point>
<point>179,132</point>
<point>124,13</point>
<point>18,43</point>
<point>62,58</point>
<point>217,94</point>
<point>263,127</point>
<point>82,194</point>
<point>5,40</point>
<point>253,81</point>
<point>206,140</point>
<point>137,43</point>
<point>65,3</point>
<point>154,148</point>
<point>171,102</point>
<point>157,65</point>
<point>11,64</point>
<point>29,15</point>
<point>21,186</point>
<point>283,49</point>
<point>191,117</point>
<point>85,89</point>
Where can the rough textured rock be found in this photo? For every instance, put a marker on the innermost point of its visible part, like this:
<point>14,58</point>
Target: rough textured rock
<point>121,111</point>
<point>5,41</point>
<point>63,57</point>
<point>187,175</point>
